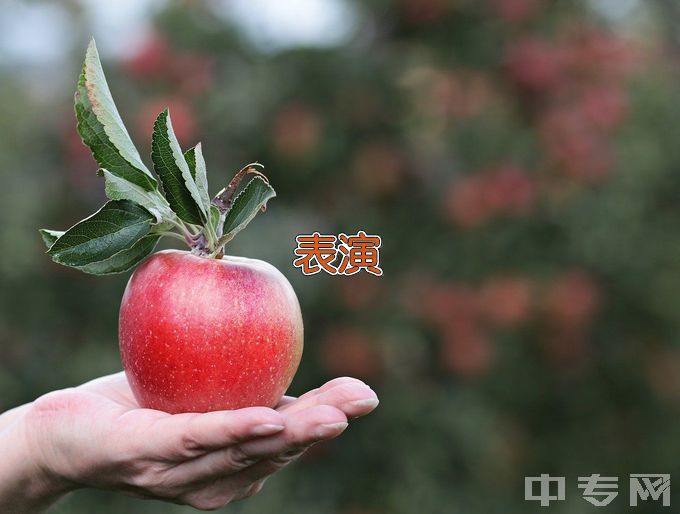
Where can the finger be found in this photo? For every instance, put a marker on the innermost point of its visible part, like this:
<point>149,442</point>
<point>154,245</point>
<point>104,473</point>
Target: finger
<point>338,381</point>
<point>302,430</point>
<point>331,383</point>
<point>251,490</point>
<point>258,473</point>
<point>185,436</point>
<point>219,493</point>
<point>351,396</point>
<point>306,398</point>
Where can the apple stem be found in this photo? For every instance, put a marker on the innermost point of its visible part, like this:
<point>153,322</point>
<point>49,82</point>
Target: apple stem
<point>199,245</point>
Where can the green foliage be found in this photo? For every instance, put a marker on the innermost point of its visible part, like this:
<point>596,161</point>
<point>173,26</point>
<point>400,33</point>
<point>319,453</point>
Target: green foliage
<point>124,260</point>
<point>101,127</point>
<point>114,228</point>
<point>178,181</point>
<point>50,236</point>
<point>130,185</point>
<point>247,204</point>
<point>118,188</point>
<point>199,174</point>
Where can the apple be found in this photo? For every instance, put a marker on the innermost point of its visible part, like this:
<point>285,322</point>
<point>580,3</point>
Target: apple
<point>200,334</point>
<point>198,331</point>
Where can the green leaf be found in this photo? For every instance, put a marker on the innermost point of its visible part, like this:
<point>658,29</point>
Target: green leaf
<point>246,205</point>
<point>125,259</point>
<point>102,129</point>
<point>50,236</point>
<point>117,263</point>
<point>199,172</point>
<point>190,157</point>
<point>117,188</point>
<point>115,227</point>
<point>215,218</point>
<point>178,183</point>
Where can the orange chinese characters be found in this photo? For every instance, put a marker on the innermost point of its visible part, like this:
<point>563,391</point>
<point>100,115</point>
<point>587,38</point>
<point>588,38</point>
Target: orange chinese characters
<point>359,252</point>
<point>315,252</point>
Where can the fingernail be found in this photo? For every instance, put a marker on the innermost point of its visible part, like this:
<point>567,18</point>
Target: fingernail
<point>329,429</point>
<point>266,429</point>
<point>369,403</point>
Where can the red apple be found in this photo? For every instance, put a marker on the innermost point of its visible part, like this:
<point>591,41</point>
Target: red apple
<point>199,334</point>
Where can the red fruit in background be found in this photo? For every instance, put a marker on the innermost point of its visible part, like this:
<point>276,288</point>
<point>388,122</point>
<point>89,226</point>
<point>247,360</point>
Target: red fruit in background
<point>535,65</point>
<point>199,334</point>
<point>506,301</point>
<point>464,204</point>
<point>471,201</point>
<point>508,189</point>
<point>573,299</point>
<point>599,53</point>
<point>604,107</point>
<point>189,72</point>
<point>577,147</point>
<point>151,59</point>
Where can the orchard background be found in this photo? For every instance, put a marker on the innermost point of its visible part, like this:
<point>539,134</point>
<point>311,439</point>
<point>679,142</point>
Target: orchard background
<point>519,158</point>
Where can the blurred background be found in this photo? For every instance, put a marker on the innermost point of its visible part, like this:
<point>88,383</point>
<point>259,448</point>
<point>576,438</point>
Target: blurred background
<point>519,158</point>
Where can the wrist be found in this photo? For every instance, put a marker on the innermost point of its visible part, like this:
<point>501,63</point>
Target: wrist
<point>27,483</point>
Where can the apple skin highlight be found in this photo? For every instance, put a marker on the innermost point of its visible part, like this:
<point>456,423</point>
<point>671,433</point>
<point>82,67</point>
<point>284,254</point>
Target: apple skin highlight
<point>199,334</point>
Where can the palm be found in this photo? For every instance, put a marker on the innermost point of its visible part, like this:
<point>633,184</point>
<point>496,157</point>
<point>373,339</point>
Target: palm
<point>116,389</point>
<point>200,459</point>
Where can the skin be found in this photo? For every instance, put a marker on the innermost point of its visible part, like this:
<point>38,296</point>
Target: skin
<point>199,334</point>
<point>96,435</point>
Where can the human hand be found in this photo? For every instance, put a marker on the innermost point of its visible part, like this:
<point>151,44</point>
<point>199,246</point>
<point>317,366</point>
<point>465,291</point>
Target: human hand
<point>96,435</point>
